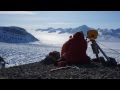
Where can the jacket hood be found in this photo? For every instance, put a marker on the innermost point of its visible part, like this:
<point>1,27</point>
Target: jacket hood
<point>79,35</point>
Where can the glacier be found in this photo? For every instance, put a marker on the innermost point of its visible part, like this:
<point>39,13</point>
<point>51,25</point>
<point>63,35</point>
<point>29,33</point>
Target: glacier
<point>19,54</point>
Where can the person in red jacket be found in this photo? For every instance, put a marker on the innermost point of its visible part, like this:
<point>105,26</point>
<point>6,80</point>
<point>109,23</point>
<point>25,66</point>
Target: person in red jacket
<point>74,51</point>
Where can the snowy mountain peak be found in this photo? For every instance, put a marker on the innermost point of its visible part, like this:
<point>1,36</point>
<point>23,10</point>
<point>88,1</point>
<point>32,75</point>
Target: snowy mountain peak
<point>83,27</point>
<point>15,34</point>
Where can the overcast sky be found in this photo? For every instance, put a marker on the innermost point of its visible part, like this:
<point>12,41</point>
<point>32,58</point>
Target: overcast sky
<point>57,19</point>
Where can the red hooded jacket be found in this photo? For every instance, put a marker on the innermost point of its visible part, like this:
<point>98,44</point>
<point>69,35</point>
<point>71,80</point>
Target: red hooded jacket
<point>74,50</point>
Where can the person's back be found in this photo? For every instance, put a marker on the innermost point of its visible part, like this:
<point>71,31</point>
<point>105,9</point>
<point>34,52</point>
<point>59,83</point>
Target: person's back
<point>75,49</point>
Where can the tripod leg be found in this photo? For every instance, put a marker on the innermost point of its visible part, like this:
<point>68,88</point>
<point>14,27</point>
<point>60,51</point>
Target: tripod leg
<point>95,49</point>
<point>102,52</point>
<point>97,56</point>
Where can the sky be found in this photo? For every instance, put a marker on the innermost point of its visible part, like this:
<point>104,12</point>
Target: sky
<point>60,19</point>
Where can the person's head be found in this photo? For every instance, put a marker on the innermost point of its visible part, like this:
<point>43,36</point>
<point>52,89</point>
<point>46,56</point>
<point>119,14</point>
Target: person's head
<point>78,35</point>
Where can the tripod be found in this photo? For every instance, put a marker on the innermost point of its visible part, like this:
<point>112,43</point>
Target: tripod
<point>92,35</point>
<point>96,48</point>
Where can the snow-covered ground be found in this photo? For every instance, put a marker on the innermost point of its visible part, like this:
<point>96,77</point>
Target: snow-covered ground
<point>18,54</point>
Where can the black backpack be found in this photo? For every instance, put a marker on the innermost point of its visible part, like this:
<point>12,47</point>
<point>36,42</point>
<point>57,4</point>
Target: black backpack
<point>112,62</point>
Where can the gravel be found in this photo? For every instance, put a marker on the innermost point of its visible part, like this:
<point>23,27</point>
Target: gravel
<point>39,71</point>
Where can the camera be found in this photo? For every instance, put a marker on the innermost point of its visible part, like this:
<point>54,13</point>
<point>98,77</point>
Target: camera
<point>92,34</point>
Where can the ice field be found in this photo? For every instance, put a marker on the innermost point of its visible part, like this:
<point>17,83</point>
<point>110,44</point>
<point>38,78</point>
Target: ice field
<point>18,54</point>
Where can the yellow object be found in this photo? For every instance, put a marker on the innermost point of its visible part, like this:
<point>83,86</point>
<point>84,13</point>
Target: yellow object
<point>92,34</point>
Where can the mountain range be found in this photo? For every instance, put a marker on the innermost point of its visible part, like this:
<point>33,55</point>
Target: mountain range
<point>104,34</point>
<point>14,34</point>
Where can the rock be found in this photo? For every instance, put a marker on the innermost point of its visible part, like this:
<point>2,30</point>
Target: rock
<point>52,58</point>
<point>55,54</point>
<point>48,60</point>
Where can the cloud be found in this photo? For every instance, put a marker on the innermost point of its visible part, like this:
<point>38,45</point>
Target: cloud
<point>59,23</point>
<point>17,12</point>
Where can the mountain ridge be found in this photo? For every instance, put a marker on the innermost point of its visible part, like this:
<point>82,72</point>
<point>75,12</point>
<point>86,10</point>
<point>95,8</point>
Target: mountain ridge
<point>104,34</point>
<point>14,34</point>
